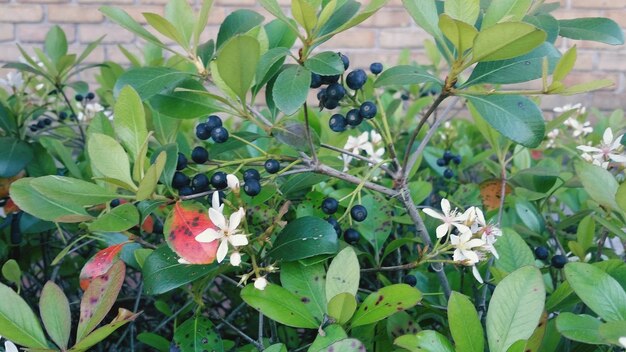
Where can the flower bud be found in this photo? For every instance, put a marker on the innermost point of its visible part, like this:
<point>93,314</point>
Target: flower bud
<point>260,283</point>
<point>233,182</point>
<point>235,258</point>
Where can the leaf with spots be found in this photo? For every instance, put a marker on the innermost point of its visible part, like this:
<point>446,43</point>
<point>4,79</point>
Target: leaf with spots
<point>123,317</point>
<point>346,345</point>
<point>306,282</point>
<point>281,305</point>
<point>385,302</point>
<point>99,298</point>
<point>427,340</point>
<point>343,274</point>
<point>182,226</point>
<point>376,228</point>
<point>304,238</point>
<point>332,334</point>
<point>99,264</point>
<point>197,334</point>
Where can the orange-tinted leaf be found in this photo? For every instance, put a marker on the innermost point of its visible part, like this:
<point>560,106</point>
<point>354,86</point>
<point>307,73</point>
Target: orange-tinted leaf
<point>184,222</point>
<point>11,207</point>
<point>491,193</point>
<point>148,224</point>
<point>99,264</point>
<point>5,183</point>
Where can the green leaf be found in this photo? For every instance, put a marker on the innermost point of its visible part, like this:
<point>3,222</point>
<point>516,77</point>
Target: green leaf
<point>581,328</point>
<point>278,347</point>
<point>345,345</point>
<point>583,87</point>
<point>290,133</point>
<point>513,251</point>
<point>304,13</point>
<point>427,340</point>
<point>14,156</point>
<point>162,272</point>
<point>197,334</point>
<point>343,274</point>
<point>7,120</point>
<point>463,10</point>
<point>303,238</point>
<point>43,206</point>
<point>55,43</point>
<point>332,334</point>
<point>181,16</point>
<point>385,302</point>
<point>280,305</point>
<point>516,70</point>
<point>597,29</point>
<point>598,183</point>
<point>405,75</point>
<point>306,282</point>
<point>291,89</point>
<point>425,15</point>
<point>341,307</point>
<point>237,63</point>
<point>130,121</point>
<point>516,117</point>
<point>72,190</point>
<point>613,332</point>
<point>166,28</point>
<point>148,184</point>
<point>459,33</point>
<point>506,40</point>
<point>18,323</point>
<point>122,18</point>
<point>11,272</point>
<point>55,314</point>
<point>565,65</point>
<point>56,148</point>
<point>238,22</point>
<point>120,218</point>
<point>464,324</point>
<point>327,63</point>
<point>598,290</point>
<point>515,308</point>
<point>109,159</point>
<point>185,105</point>
<point>123,317</point>
<point>149,81</point>
<point>340,18</point>
<point>506,11</point>
<point>529,215</point>
<point>269,64</point>
<point>620,197</point>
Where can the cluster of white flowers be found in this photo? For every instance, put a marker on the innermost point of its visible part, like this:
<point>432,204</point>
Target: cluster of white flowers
<point>9,346</point>
<point>475,239</point>
<point>89,111</point>
<point>609,150</point>
<point>370,143</point>
<point>14,81</point>
<point>552,136</point>
<point>567,107</point>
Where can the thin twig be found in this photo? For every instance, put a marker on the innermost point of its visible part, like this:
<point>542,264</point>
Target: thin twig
<point>69,105</point>
<point>258,115</point>
<point>357,156</point>
<point>307,132</point>
<point>241,333</point>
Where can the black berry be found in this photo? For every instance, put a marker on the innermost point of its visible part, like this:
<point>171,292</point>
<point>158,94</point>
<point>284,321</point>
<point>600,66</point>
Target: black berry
<point>558,261</point>
<point>376,68</point>
<point>219,134</point>
<point>410,280</point>
<point>330,205</point>
<point>47,121</point>
<point>203,132</point>
<point>218,180</point>
<point>62,115</point>
<point>316,80</point>
<point>441,162</point>
<point>447,156</point>
<point>78,97</point>
<point>182,162</point>
<point>448,173</point>
<point>180,180</point>
<point>337,123</point>
<point>541,253</point>
<point>32,127</point>
<point>199,155</point>
<point>114,203</point>
<point>213,122</point>
<point>272,166</point>
<point>335,91</point>
<point>331,103</point>
<point>158,227</point>
<point>353,117</point>
<point>90,96</point>
<point>330,79</point>
<point>251,174</point>
<point>356,79</point>
<point>368,110</point>
<point>41,124</point>
<point>456,159</point>
<point>200,183</point>
<point>331,220</point>
<point>358,213</point>
<point>185,191</point>
<point>252,187</point>
<point>351,236</point>
<point>345,60</point>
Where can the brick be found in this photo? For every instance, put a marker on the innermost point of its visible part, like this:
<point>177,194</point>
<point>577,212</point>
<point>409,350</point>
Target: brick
<point>114,33</point>
<point>389,18</point>
<point>612,62</point>
<point>9,52</point>
<point>402,38</point>
<point>136,12</point>
<point>599,4</point>
<point>42,1</point>
<point>31,32</point>
<point>236,2</point>
<point>7,32</point>
<point>105,2</point>
<point>74,14</point>
<point>353,38</point>
<point>16,13</point>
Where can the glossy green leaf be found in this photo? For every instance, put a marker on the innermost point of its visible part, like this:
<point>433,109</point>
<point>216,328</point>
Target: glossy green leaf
<point>529,215</point>
<point>327,63</point>
<point>291,89</point>
<point>290,133</point>
<point>181,16</point>
<point>55,43</point>
<point>598,290</point>
<point>155,341</point>
<point>385,302</point>
<point>425,15</point>
<point>280,305</point>
<point>505,10</point>
<point>120,218</point>
<point>11,272</point>
<point>123,317</point>
<point>581,328</point>
<point>515,308</point>
<point>547,23</point>
<point>278,347</point>
<point>269,64</point>
<point>304,13</point>
<point>72,190</point>
<point>109,159</point>
<point>464,324</point>
<point>620,196</point>
<point>130,121</point>
<point>598,183</point>
<point>613,332</point>
<point>55,314</point>
<point>62,153</point>
<point>404,75</point>
<point>376,228</point>
<point>370,9</point>
<point>341,307</point>
<point>18,323</point>
<point>427,340</point>
<point>7,120</point>
<point>303,238</point>
<point>506,40</point>
<point>306,282</point>
<point>237,63</point>
<point>148,184</point>
<point>149,81</point>
<point>123,19</point>
<point>597,29</point>
<point>332,334</point>
<point>166,28</point>
<point>15,154</point>
<point>513,251</point>
<point>565,65</point>
<point>197,334</point>
<point>343,274</point>
<point>340,18</point>
<point>162,272</point>
<point>463,10</point>
<point>459,33</point>
<point>345,345</point>
<point>238,22</point>
<point>516,117</point>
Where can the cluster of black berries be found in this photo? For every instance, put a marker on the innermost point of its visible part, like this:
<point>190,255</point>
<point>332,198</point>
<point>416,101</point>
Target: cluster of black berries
<point>41,124</point>
<point>186,186</point>
<point>358,213</point>
<point>89,96</point>
<point>448,157</point>
<point>212,128</point>
<point>558,261</point>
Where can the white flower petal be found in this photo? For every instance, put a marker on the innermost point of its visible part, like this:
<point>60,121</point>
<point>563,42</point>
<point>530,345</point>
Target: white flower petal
<point>454,240</point>
<point>589,149</point>
<point>618,158</point>
<point>233,182</point>
<point>238,240</point>
<point>476,274</point>
<point>474,243</point>
<point>445,206</point>
<point>10,347</point>
<point>432,213</point>
<point>215,202</point>
<point>442,230</point>
<point>217,218</point>
<point>209,235</point>
<point>470,255</point>
<point>222,250</point>
<point>235,220</point>
<point>607,137</point>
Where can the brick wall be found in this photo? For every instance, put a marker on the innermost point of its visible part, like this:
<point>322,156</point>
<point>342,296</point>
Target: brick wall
<point>381,38</point>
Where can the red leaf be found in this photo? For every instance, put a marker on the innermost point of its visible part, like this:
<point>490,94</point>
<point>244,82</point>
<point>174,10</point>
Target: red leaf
<point>181,227</point>
<point>11,207</point>
<point>99,264</point>
<point>148,224</point>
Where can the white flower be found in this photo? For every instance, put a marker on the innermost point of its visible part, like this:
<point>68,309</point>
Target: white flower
<point>609,150</point>
<point>226,232</point>
<point>9,346</point>
<point>233,182</point>
<point>464,248</point>
<point>622,341</point>
<point>567,107</point>
<point>260,283</point>
<point>552,136</point>
<point>89,111</point>
<point>579,129</point>
<point>13,81</point>
<point>450,218</point>
<point>476,274</point>
<point>235,258</point>
<point>215,202</point>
